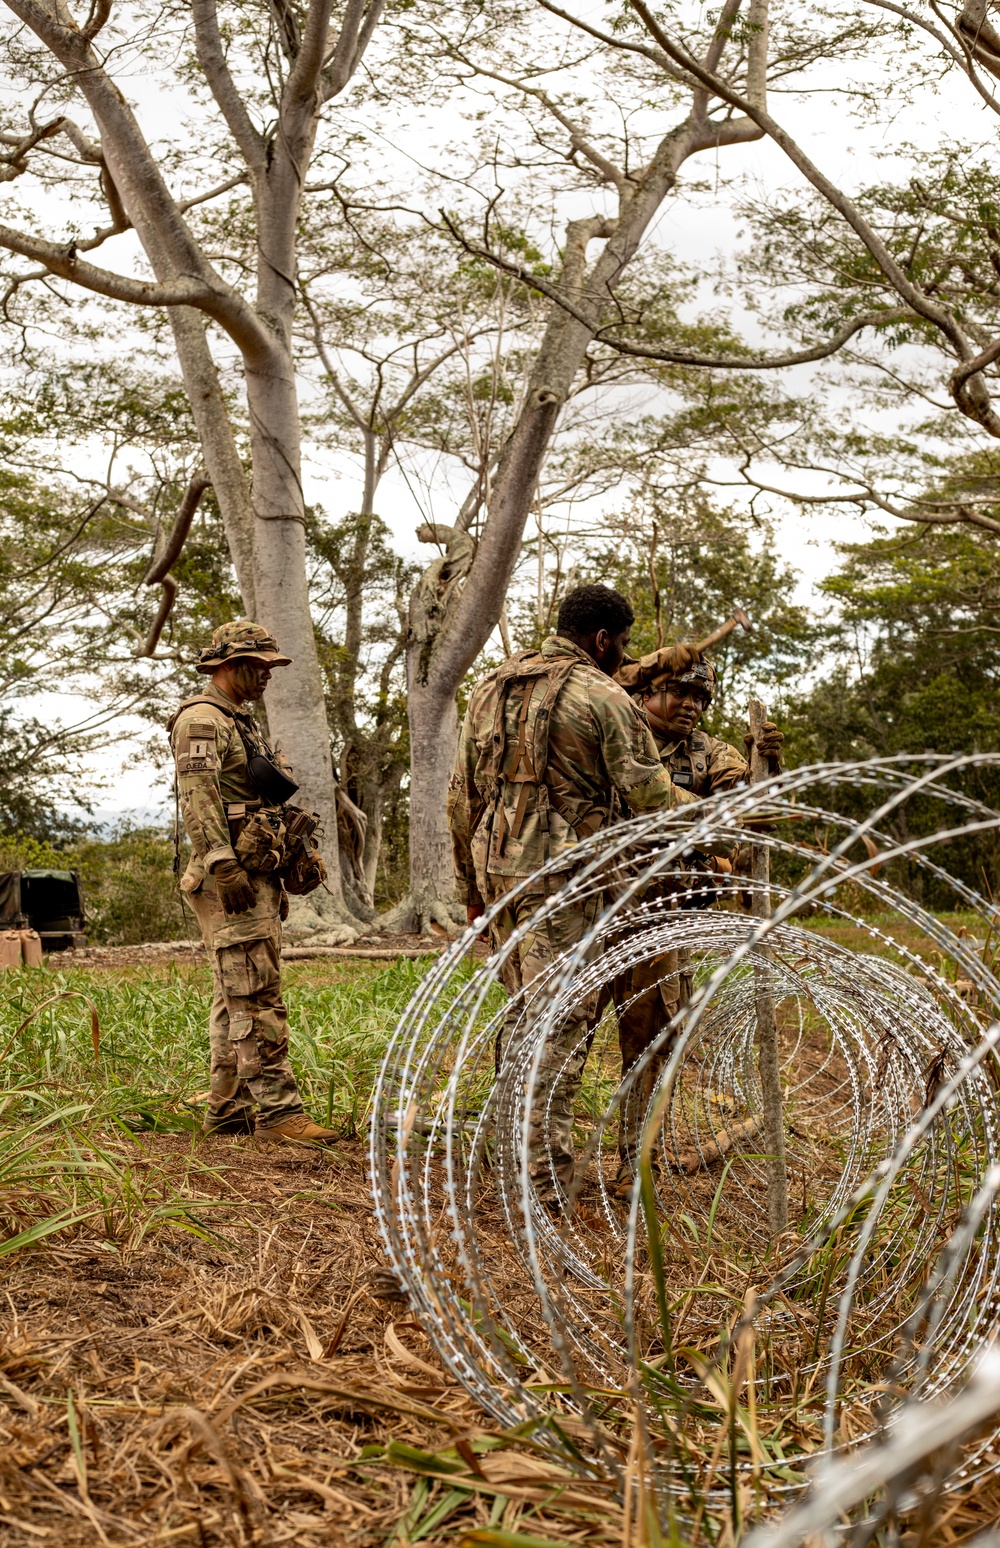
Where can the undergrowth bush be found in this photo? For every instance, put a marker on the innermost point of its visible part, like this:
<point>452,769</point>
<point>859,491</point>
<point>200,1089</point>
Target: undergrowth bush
<point>130,891</point>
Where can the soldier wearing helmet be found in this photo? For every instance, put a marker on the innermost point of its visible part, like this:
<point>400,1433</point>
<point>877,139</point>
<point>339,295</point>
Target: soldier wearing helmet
<point>219,754</point>
<point>675,686</point>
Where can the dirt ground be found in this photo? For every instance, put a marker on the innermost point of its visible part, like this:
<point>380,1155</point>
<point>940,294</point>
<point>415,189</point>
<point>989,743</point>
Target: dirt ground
<point>263,1392</point>
<point>263,1387</point>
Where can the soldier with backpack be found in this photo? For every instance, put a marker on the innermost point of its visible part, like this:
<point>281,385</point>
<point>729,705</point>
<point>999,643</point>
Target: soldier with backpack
<point>551,750</point>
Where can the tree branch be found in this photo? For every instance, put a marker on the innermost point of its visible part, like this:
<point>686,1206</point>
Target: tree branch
<point>608,171</point>
<point>625,45</point>
<point>212,58</point>
<point>971,396</point>
<point>117,287</point>
<point>926,515</point>
<point>349,51</point>
<point>681,356</point>
<point>305,73</point>
<point>159,570</point>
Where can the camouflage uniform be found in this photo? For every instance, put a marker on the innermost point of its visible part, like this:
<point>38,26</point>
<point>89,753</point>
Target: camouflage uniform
<point>650,994</point>
<point>248,1025</point>
<point>556,712</point>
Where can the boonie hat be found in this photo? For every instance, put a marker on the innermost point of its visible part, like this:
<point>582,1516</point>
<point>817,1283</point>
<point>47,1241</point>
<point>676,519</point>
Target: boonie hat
<point>241,638</point>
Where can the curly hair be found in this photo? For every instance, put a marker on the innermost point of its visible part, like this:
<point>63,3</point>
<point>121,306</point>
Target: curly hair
<point>586,609</point>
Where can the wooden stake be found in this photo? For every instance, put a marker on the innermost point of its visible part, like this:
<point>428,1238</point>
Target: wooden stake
<point>767,1025</point>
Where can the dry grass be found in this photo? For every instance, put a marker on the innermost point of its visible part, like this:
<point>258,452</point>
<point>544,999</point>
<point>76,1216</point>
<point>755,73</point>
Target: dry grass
<point>205,1358</point>
<point>254,1390</point>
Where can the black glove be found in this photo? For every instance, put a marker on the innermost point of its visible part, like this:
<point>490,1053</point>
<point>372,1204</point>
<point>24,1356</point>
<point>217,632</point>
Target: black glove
<point>769,745</point>
<point>699,890</point>
<point>237,893</point>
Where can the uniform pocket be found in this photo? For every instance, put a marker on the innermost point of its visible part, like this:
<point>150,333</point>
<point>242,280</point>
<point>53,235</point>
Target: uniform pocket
<point>243,1037</point>
<point>249,967</point>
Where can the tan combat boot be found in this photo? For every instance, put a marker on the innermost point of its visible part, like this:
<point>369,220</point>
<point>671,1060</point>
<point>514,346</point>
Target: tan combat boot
<point>299,1129</point>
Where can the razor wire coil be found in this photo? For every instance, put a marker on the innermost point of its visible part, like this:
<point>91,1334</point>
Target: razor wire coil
<point>887,1282</point>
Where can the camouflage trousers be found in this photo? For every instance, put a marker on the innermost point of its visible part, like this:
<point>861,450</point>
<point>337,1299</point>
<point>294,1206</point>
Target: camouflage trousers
<point>646,998</point>
<point>248,1023</point>
<point>551,1157</point>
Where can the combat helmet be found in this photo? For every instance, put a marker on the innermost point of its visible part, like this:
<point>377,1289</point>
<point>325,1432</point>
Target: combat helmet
<point>241,638</point>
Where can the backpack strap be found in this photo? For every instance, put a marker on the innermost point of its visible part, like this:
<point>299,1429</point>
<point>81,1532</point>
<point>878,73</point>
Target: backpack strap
<point>530,760</point>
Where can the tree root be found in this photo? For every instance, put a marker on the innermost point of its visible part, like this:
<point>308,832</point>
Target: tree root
<point>317,920</point>
<point>411,916</point>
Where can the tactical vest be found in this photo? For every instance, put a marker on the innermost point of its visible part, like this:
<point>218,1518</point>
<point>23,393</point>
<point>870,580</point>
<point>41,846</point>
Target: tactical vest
<point>688,764</point>
<point>273,785</point>
<point>524,765</point>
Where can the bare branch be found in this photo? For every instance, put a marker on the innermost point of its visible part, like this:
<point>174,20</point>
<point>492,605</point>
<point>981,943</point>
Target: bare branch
<point>683,356</point>
<point>609,172</point>
<point>972,395</point>
<point>624,44</point>
<point>350,48</point>
<point>305,74</point>
<point>933,514</point>
<point>14,162</point>
<point>64,262</point>
<point>159,570</point>
<point>212,58</point>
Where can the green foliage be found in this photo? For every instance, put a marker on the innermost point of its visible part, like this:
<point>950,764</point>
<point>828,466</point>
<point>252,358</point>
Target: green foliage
<point>916,665</point>
<point>917,647</point>
<point>130,890</point>
<point>706,560</point>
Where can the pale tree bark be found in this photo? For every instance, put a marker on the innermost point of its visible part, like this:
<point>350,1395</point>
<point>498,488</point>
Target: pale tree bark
<point>264,522</point>
<point>370,769</point>
<point>438,658</point>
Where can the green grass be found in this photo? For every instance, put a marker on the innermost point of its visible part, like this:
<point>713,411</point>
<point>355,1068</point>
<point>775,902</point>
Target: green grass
<point>71,1123</point>
<point>152,1068</point>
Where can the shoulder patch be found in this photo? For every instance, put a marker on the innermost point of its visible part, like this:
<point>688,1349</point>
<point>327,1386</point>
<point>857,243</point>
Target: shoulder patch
<point>197,749</point>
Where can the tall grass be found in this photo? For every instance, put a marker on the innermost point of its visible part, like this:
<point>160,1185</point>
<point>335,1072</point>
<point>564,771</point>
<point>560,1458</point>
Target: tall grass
<point>74,1125</point>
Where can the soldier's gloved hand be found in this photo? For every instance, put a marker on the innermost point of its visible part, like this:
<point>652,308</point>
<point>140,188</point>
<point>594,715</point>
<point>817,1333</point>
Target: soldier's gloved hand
<point>769,745</point>
<point>658,666</point>
<point>237,893</point>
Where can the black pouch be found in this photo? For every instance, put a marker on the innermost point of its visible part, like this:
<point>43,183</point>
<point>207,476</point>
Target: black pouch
<point>275,787</point>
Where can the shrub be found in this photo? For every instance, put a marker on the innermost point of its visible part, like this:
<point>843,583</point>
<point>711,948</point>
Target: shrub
<point>129,888</point>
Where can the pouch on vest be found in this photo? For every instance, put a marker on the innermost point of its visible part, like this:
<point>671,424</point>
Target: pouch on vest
<point>260,848</point>
<point>304,869</point>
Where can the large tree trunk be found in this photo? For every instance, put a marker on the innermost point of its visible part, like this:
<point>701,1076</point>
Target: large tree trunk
<point>218,444</point>
<point>296,711</point>
<point>433,736</point>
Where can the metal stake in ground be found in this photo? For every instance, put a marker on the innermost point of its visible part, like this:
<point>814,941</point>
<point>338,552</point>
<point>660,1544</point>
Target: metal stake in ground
<point>767,1025</point>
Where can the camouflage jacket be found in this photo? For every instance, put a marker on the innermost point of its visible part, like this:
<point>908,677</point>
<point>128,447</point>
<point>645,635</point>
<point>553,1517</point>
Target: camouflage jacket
<point>700,763</point>
<point>212,776</point>
<point>596,747</point>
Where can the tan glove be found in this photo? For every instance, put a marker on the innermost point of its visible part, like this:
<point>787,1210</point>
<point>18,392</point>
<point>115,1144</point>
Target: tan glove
<point>659,665</point>
<point>237,893</point>
<point>769,745</point>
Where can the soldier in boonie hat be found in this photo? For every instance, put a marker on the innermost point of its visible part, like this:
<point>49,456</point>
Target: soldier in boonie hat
<point>241,638</point>
<point>675,685</point>
<point>216,744</point>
